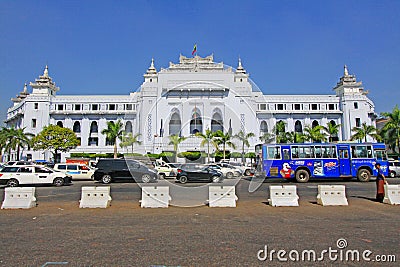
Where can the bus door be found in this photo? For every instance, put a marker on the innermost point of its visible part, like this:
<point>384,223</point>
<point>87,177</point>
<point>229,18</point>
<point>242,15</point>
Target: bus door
<point>344,162</point>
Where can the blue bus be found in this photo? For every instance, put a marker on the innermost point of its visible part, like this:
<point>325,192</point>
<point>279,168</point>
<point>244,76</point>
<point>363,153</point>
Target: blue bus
<point>321,160</point>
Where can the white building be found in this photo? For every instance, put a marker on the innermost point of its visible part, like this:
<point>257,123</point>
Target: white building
<point>191,96</point>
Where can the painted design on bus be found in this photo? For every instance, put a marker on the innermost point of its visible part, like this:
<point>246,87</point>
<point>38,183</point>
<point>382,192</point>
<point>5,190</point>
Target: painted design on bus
<point>286,171</point>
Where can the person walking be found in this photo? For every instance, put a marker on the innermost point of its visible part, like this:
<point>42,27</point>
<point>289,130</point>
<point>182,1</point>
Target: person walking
<point>380,181</point>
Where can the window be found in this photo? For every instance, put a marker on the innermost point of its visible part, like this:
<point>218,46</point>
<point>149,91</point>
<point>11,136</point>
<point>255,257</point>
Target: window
<point>274,152</point>
<point>95,107</point>
<point>60,107</point>
<point>280,106</point>
<point>297,106</point>
<point>25,169</point>
<point>361,151</point>
<point>380,154</point>
<point>77,107</point>
<point>263,106</point>
<point>41,170</point>
<point>33,123</point>
<point>314,106</point>
<point>36,106</point>
<point>77,127</point>
<point>302,152</point>
<point>111,107</point>
<point>72,167</point>
<point>128,106</point>
<point>286,154</point>
<point>358,122</point>
<point>331,106</point>
<point>60,124</point>
<point>355,105</point>
<point>62,167</point>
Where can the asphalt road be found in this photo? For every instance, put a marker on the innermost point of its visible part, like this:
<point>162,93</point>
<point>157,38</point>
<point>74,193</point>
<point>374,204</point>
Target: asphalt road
<point>127,235</point>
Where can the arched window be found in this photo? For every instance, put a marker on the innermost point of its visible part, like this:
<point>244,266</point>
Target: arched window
<point>315,123</point>
<point>93,127</point>
<point>196,123</point>
<point>128,127</point>
<point>59,123</point>
<point>298,128</point>
<point>175,124</point>
<point>263,128</point>
<point>217,123</point>
<point>77,127</point>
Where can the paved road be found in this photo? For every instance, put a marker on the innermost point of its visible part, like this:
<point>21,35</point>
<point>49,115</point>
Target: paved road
<point>126,235</point>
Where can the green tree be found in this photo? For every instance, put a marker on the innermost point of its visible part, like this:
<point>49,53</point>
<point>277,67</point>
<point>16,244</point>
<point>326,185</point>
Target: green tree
<point>207,139</point>
<point>244,140</point>
<point>175,140</point>
<point>55,139</point>
<point>332,130</point>
<point>391,130</point>
<point>362,132</point>
<point>267,138</point>
<point>112,132</point>
<point>224,139</point>
<point>314,134</point>
<point>280,132</point>
<point>12,139</point>
<point>129,140</point>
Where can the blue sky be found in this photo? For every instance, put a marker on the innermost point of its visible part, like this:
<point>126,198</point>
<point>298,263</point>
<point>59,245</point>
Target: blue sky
<point>288,47</point>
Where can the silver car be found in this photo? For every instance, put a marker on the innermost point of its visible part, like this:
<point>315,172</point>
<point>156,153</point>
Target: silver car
<point>394,168</point>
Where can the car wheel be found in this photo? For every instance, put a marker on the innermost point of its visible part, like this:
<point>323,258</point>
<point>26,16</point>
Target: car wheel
<point>106,179</point>
<point>363,175</point>
<point>183,179</point>
<point>302,176</point>
<point>229,175</point>
<point>58,181</point>
<point>247,172</point>
<point>12,183</point>
<point>146,178</point>
<point>162,175</point>
<point>215,179</point>
<point>392,174</point>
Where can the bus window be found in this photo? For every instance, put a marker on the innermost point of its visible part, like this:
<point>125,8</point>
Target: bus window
<point>295,152</point>
<point>317,151</point>
<point>305,152</point>
<point>286,154</point>
<point>380,154</point>
<point>274,152</point>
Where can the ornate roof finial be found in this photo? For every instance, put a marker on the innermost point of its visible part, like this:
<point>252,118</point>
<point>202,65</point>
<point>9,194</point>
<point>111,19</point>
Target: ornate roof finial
<point>240,62</point>
<point>240,68</point>
<point>46,71</point>
<point>346,72</point>
<point>152,63</point>
<point>25,88</point>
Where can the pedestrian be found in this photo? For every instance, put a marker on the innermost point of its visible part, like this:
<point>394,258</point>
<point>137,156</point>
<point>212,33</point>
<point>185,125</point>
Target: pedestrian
<point>380,181</point>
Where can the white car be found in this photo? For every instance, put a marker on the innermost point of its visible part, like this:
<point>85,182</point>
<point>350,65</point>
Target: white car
<point>166,169</point>
<point>246,170</point>
<point>228,172</point>
<point>76,171</point>
<point>32,174</point>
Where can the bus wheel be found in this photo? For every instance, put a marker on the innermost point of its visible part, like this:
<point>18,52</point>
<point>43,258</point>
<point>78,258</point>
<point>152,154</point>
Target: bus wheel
<point>302,176</point>
<point>363,175</point>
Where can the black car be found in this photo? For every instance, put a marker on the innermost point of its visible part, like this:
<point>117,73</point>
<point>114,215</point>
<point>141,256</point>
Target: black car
<point>198,173</point>
<point>109,170</point>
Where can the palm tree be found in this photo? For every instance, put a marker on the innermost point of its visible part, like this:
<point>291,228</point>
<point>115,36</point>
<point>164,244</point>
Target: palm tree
<point>267,138</point>
<point>224,140</point>
<point>391,129</point>
<point>175,140</point>
<point>332,130</point>
<point>280,132</point>
<point>207,138</point>
<point>244,139</point>
<point>112,132</point>
<point>314,134</point>
<point>14,139</point>
<point>294,137</point>
<point>364,131</point>
<point>129,140</point>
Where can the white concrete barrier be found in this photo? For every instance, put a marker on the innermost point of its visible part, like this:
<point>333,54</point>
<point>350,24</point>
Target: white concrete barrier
<point>19,198</point>
<point>155,197</point>
<point>392,194</point>
<point>222,196</point>
<point>332,195</point>
<point>283,195</point>
<point>95,197</point>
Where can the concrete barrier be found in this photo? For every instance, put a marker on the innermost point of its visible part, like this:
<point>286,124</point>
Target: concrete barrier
<point>392,194</point>
<point>19,198</point>
<point>332,195</point>
<point>95,197</point>
<point>283,196</point>
<point>155,197</point>
<point>222,196</point>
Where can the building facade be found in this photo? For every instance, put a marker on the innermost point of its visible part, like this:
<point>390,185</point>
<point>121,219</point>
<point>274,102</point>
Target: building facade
<point>187,97</point>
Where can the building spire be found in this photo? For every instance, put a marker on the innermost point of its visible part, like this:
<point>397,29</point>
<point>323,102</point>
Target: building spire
<point>25,88</point>
<point>46,71</point>
<point>240,68</point>
<point>151,69</point>
<point>346,72</point>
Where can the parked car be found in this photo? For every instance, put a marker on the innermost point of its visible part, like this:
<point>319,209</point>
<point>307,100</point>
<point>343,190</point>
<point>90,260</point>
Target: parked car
<point>198,172</point>
<point>246,169</point>
<point>32,174</point>
<point>228,171</point>
<point>77,171</point>
<point>166,169</point>
<point>109,170</point>
<point>394,168</point>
